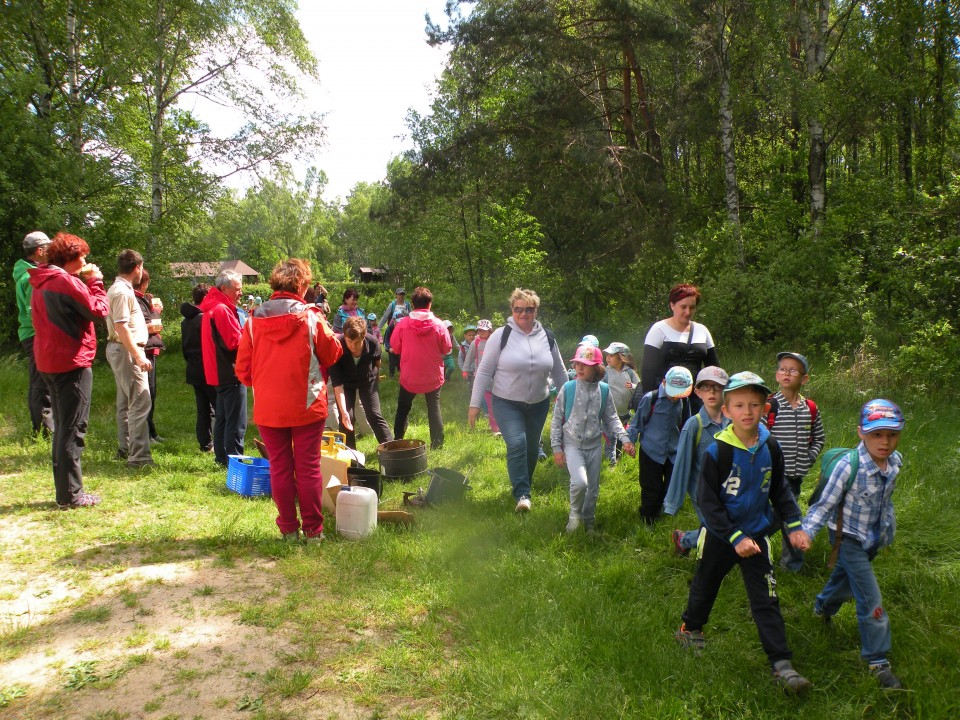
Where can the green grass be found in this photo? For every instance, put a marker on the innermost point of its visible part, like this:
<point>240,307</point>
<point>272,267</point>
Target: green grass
<point>476,612</point>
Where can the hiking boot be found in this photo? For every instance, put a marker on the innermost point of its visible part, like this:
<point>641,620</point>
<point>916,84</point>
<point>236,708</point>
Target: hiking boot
<point>121,454</point>
<point>819,612</point>
<point>677,536</point>
<point>690,639</point>
<point>523,505</point>
<point>84,499</point>
<point>315,539</point>
<point>789,679</point>
<point>291,536</point>
<point>884,675</point>
<point>573,523</point>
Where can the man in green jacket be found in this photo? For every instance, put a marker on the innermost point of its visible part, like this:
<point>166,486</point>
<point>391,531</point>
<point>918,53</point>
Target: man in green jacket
<point>38,395</point>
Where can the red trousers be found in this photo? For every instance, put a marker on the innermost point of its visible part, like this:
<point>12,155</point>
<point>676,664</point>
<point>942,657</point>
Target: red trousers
<point>295,476</point>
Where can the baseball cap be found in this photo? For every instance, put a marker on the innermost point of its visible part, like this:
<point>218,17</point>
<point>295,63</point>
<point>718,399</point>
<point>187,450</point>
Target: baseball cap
<point>484,325</point>
<point>880,414</point>
<point>713,374</point>
<point>745,379</point>
<point>468,328</point>
<point>616,347</point>
<point>35,240</point>
<point>400,291</point>
<point>796,356</point>
<point>591,339</point>
<point>371,316</point>
<point>678,381</point>
<point>587,355</point>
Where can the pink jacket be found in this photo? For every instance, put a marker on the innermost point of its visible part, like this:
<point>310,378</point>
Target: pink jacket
<point>421,341</point>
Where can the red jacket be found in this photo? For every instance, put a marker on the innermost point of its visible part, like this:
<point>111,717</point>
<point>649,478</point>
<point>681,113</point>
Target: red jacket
<point>219,338</point>
<point>282,348</point>
<point>63,309</point>
<point>421,341</point>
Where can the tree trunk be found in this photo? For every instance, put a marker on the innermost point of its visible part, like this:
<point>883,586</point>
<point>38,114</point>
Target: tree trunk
<point>813,37</point>
<point>630,134</point>
<point>654,143</point>
<point>75,106</point>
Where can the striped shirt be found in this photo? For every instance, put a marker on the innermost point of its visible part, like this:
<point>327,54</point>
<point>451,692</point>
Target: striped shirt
<point>800,439</point>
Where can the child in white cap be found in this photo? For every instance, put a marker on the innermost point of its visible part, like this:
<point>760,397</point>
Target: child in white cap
<point>583,413</point>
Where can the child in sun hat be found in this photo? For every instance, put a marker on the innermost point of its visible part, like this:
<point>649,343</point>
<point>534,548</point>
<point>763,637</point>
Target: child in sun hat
<point>373,328</point>
<point>621,376</point>
<point>695,437</point>
<point>661,414</point>
<point>469,335</point>
<point>860,510</point>
<point>583,413</point>
<point>740,484</point>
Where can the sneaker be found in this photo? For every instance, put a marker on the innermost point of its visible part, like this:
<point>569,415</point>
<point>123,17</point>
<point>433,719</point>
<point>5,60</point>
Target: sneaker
<point>292,536</point>
<point>789,679</point>
<point>84,499</point>
<point>121,454</point>
<point>818,611</point>
<point>884,675</point>
<point>677,547</point>
<point>155,439</point>
<point>140,464</point>
<point>523,505</point>
<point>315,539</point>
<point>573,523</point>
<point>690,639</point>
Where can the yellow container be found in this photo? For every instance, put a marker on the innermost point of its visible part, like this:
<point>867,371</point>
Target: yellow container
<point>335,456</point>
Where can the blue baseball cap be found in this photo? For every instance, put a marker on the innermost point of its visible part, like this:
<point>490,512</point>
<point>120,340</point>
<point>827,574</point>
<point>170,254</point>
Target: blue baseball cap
<point>678,382</point>
<point>880,414</point>
<point>746,379</point>
<point>590,340</point>
<point>798,357</point>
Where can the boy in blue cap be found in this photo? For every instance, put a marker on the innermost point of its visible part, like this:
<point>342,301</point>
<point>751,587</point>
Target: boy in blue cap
<point>864,526</point>
<point>741,483</point>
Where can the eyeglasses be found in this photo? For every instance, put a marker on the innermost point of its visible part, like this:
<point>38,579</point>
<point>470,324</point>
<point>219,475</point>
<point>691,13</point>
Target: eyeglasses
<point>789,371</point>
<point>530,310</point>
<point>709,387</point>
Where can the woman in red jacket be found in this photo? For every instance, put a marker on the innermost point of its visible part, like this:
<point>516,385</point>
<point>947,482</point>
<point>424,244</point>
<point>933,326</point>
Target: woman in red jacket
<point>282,347</point>
<point>68,296</point>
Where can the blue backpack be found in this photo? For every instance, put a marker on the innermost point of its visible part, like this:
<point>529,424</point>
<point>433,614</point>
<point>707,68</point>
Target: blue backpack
<point>570,392</point>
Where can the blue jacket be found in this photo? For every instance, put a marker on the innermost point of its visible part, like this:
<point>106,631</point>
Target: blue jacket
<point>658,435</point>
<point>686,468</point>
<point>739,502</point>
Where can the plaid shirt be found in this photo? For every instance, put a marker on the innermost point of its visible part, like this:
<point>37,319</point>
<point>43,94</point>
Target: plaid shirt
<point>868,509</point>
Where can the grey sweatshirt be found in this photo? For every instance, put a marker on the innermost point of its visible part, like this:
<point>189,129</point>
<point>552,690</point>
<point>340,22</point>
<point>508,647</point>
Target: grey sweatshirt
<point>585,427</point>
<point>521,370</point>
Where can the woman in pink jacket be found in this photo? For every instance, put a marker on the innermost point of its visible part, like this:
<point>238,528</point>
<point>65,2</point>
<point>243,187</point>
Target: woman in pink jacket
<point>421,341</point>
<point>282,347</point>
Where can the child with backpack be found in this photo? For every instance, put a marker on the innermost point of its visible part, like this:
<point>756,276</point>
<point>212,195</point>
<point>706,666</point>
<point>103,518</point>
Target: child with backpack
<point>795,422</point>
<point>695,437</point>
<point>469,334</point>
<point>621,376</point>
<point>582,414</point>
<point>740,484</point>
<point>856,504</point>
<point>660,415</point>
<point>472,362</point>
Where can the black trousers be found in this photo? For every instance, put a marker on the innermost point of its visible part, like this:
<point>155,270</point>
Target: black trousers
<point>231,424</point>
<point>654,480</point>
<point>206,399</point>
<point>38,394</point>
<point>394,363</point>
<point>70,394</point>
<point>718,559</point>
<point>370,397</point>
<point>152,385</point>
<point>405,402</point>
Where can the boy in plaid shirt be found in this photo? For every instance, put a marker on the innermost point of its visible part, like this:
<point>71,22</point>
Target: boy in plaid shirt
<point>866,523</point>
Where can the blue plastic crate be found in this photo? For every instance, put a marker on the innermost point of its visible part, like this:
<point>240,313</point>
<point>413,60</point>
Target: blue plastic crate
<point>248,476</point>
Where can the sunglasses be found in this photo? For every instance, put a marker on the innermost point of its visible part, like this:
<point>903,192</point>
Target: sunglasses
<point>524,310</point>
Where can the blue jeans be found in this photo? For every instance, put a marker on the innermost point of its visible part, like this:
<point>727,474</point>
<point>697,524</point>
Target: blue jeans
<point>521,425</point>
<point>853,578</point>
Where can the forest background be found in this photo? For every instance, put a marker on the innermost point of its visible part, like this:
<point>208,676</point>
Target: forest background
<point>796,159</point>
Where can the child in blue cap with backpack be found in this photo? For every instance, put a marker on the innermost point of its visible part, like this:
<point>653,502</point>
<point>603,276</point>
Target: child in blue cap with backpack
<point>583,413</point>
<point>857,506</point>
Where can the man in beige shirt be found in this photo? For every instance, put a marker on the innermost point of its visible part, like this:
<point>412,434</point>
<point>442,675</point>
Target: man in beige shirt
<point>126,337</point>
